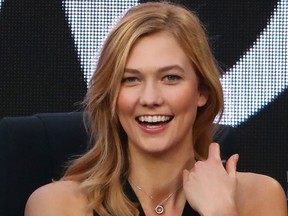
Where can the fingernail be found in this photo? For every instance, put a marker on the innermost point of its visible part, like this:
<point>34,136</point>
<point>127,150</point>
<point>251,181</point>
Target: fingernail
<point>236,156</point>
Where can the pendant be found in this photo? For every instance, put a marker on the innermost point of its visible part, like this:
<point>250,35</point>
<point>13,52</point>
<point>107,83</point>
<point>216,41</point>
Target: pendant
<point>159,209</point>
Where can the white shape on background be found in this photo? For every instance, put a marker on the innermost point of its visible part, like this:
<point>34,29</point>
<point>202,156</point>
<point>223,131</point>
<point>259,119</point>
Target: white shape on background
<point>89,20</point>
<point>254,81</point>
<point>1,4</point>
<point>261,74</point>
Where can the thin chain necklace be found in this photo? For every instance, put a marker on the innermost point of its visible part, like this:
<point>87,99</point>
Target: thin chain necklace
<point>159,209</point>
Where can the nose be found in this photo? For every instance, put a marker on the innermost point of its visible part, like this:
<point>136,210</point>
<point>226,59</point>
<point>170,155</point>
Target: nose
<point>151,95</point>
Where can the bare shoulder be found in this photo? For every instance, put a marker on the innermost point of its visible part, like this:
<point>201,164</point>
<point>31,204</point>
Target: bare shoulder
<point>57,198</point>
<point>260,195</point>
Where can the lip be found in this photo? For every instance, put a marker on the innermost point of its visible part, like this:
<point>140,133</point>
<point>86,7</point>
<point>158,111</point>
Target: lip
<point>153,129</point>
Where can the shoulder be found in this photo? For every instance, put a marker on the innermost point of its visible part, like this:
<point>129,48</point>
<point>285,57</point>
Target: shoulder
<point>57,198</point>
<point>260,195</point>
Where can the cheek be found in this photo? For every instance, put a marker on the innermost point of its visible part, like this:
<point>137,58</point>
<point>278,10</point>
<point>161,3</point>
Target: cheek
<point>125,111</point>
<point>122,109</point>
<point>185,99</point>
<point>124,103</point>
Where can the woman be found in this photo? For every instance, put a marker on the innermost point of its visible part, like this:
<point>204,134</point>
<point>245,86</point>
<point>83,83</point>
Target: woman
<point>151,104</point>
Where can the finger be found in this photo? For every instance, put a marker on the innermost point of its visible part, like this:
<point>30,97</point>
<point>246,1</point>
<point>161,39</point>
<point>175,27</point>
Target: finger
<point>231,165</point>
<point>185,176</point>
<point>214,151</point>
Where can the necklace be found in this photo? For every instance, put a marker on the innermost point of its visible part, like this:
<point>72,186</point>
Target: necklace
<point>159,209</point>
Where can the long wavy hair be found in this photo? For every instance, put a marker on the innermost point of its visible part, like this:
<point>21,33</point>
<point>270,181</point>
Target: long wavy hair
<point>103,169</point>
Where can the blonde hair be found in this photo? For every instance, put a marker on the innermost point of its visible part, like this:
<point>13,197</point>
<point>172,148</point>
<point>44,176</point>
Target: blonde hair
<point>103,169</point>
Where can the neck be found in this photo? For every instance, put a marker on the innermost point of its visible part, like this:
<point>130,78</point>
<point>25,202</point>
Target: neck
<point>153,207</point>
<point>161,174</point>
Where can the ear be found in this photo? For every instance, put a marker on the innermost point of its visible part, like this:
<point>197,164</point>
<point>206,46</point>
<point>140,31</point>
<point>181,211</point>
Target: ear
<point>203,98</point>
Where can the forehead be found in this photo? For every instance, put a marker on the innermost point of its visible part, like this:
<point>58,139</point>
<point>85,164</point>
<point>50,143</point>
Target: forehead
<point>158,50</point>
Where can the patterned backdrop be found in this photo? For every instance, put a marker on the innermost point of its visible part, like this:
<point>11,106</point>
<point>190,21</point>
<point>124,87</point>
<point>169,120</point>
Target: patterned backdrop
<point>48,50</point>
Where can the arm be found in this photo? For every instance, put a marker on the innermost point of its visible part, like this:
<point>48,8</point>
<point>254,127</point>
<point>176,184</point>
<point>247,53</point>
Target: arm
<point>277,203</point>
<point>262,194</point>
<point>43,202</point>
<point>62,198</point>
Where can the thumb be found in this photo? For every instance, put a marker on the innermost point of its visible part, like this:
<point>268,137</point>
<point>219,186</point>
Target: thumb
<point>185,176</point>
<point>231,165</point>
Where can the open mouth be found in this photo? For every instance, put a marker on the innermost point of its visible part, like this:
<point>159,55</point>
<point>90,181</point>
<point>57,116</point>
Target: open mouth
<point>154,120</point>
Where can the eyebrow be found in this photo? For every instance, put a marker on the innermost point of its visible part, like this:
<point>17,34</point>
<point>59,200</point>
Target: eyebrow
<point>162,69</point>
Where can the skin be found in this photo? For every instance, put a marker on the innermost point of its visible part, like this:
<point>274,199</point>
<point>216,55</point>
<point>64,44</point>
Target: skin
<point>162,157</point>
<point>62,198</point>
<point>158,86</point>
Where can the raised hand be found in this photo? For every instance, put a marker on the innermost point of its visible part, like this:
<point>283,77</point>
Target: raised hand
<point>210,188</point>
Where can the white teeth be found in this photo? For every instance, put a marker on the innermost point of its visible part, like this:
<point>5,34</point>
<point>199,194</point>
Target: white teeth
<point>154,119</point>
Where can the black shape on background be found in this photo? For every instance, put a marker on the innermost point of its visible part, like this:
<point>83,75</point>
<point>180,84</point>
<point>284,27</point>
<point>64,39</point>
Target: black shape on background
<point>264,140</point>
<point>232,26</point>
<point>40,70</point>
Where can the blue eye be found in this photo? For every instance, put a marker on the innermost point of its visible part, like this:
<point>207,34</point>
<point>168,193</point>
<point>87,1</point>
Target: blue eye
<point>172,77</point>
<point>129,79</point>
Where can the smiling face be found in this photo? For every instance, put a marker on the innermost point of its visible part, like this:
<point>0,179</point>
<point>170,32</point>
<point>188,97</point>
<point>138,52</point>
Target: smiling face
<point>159,96</point>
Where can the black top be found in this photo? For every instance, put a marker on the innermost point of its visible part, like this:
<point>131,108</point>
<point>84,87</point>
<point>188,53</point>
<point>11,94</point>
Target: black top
<point>187,211</point>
